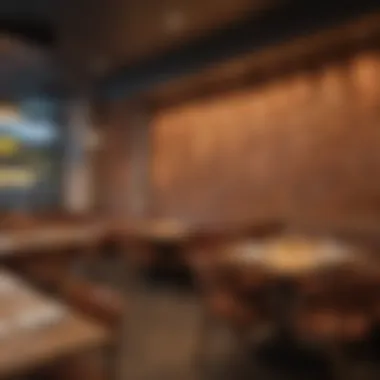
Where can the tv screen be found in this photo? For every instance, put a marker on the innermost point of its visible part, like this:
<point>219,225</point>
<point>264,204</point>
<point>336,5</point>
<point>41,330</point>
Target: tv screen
<point>31,157</point>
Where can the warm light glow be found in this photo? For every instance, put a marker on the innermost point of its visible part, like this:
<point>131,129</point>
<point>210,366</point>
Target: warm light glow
<point>174,21</point>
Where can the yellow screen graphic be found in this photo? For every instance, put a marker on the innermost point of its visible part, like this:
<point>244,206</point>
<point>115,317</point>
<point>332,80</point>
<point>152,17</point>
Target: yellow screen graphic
<point>8,146</point>
<point>17,177</point>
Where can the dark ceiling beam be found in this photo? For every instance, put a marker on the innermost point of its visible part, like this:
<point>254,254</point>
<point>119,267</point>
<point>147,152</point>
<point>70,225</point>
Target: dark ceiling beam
<point>253,34</point>
<point>332,46</point>
<point>38,32</point>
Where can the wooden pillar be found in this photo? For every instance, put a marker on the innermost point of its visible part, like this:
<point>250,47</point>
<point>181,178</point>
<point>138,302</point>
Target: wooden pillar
<point>139,164</point>
<point>77,183</point>
<point>122,161</point>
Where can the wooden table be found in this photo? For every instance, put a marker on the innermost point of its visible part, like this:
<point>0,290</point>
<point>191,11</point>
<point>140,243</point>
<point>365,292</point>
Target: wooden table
<point>294,259</point>
<point>50,237</point>
<point>159,230</point>
<point>46,250</point>
<point>291,256</point>
<point>281,276</point>
<point>30,351</point>
<point>142,238</point>
<point>31,346</point>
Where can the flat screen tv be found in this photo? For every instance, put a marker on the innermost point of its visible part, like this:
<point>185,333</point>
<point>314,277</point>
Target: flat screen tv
<point>31,158</point>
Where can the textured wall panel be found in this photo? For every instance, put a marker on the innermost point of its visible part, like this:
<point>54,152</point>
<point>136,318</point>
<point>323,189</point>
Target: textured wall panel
<point>304,147</point>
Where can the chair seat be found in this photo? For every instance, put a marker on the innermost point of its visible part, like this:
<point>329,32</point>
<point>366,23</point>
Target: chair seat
<point>86,366</point>
<point>225,306</point>
<point>47,271</point>
<point>333,325</point>
<point>97,301</point>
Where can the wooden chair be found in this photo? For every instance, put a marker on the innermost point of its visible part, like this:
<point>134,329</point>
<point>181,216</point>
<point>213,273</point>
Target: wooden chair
<point>338,305</point>
<point>232,297</point>
<point>336,310</point>
<point>89,366</point>
<point>48,269</point>
<point>104,305</point>
<point>229,300</point>
<point>95,300</point>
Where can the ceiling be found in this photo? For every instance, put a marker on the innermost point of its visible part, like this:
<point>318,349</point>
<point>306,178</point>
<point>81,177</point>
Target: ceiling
<point>28,9</point>
<point>127,31</point>
<point>244,41</point>
<point>91,38</point>
<point>32,20</point>
<point>25,70</point>
<point>26,40</point>
<point>94,39</point>
<point>303,53</point>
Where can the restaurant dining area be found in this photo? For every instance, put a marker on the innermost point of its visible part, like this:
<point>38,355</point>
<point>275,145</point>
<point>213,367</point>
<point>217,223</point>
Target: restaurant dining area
<point>189,190</point>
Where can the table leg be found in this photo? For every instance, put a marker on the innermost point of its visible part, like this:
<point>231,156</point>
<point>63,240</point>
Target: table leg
<point>89,366</point>
<point>203,339</point>
<point>341,367</point>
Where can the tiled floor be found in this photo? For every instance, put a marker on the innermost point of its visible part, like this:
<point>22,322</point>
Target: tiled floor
<point>162,333</point>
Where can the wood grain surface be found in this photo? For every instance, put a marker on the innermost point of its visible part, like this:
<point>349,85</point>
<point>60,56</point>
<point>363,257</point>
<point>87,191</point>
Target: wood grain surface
<point>302,148</point>
<point>35,343</point>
